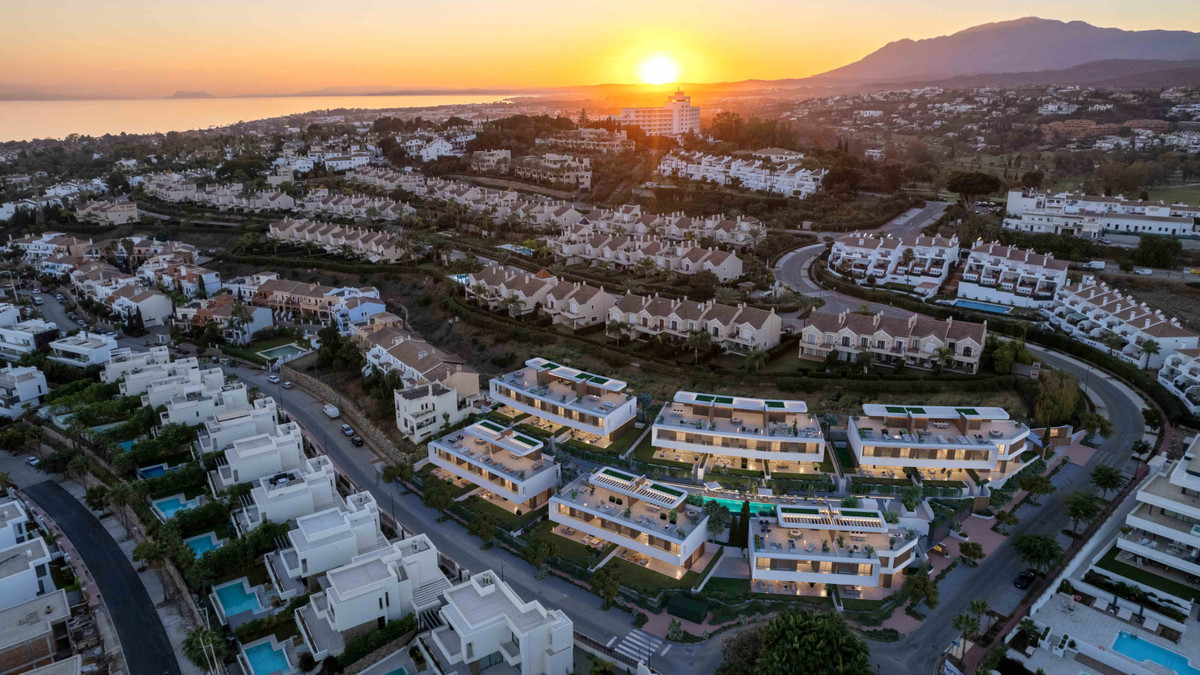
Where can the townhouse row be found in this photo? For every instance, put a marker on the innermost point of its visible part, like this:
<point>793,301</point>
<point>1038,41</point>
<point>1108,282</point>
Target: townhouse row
<point>300,301</point>
<point>630,220</point>
<point>791,178</point>
<point>917,341</point>
<point>644,255</point>
<point>1090,216</point>
<point>920,263</point>
<point>1011,276</point>
<point>372,245</point>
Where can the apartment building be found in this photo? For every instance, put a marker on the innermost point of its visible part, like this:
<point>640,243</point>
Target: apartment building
<point>32,632</point>
<point>589,140</point>
<point>253,457</point>
<point>107,213</point>
<point>486,624</point>
<point>649,520</point>
<point>26,337</point>
<point>372,245</point>
<point>331,538</point>
<point>505,463</point>
<point>15,524</point>
<point>676,118</point>
<point>595,408</point>
<point>789,177</point>
<point>491,161</point>
<point>519,292</point>
<point>806,545</point>
<point>372,589</point>
<point>220,310</point>
<point>554,169</point>
<point>1085,215</point>
<point>750,434</point>
<point>132,301</point>
<point>882,259</point>
<point>159,382</point>
<point>297,301</point>
<point>1160,538</point>
<point>734,328</point>
<point>1093,313</point>
<point>82,349</point>
<point>284,496</point>
<point>1011,276</point>
<point>219,432</point>
<point>21,388</point>
<point>191,280</point>
<point>35,247</point>
<point>1180,374</point>
<point>10,314</point>
<point>24,572</point>
<point>938,441</point>
<point>423,410</point>
<point>917,341</point>
<point>194,406</point>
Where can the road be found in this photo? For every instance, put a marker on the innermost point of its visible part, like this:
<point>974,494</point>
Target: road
<point>143,638</point>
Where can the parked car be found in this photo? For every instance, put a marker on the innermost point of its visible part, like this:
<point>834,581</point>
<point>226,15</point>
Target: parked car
<point>357,441</point>
<point>273,379</point>
<point>1025,579</point>
<point>1143,271</point>
<point>38,301</point>
<point>347,429</point>
<point>331,410</point>
<point>1096,264</point>
<point>58,296</point>
<point>287,384</point>
<point>32,461</point>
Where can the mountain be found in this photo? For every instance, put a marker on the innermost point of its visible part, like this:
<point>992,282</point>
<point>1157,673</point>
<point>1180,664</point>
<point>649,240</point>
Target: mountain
<point>191,94</point>
<point>1019,46</point>
<point>1107,74</point>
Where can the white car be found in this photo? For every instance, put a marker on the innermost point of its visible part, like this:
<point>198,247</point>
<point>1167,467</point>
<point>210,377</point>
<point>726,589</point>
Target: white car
<point>273,379</point>
<point>33,461</point>
<point>1143,271</point>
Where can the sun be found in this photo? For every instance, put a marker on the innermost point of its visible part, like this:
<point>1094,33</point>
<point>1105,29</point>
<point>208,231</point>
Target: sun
<point>658,70</point>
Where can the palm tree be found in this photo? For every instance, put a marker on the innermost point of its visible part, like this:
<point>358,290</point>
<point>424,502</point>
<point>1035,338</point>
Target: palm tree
<point>1082,507</point>
<point>1113,341</point>
<point>906,260</point>
<point>205,648</point>
<point>239,318</point>
<point>1107,478</point>
<point>6,481</point>
<point>614,328</point>
<point>979,607</point>
<point>632,286</point>
<point>966,624</point>
<point>514,304</point>
<point>153,554</point>
<point>698,340</point>
<point>1150,348</point>
<point>942,357</point>
<point>755,360</point>
<point>1040,551</point>
<point>481,291</point>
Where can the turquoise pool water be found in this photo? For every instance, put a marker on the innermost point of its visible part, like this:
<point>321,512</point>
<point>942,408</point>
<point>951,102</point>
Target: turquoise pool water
<point>127,445</point>
<point>398,671</point>
<point>756,508</point>
<point>154,471</point>
<point>169,506</point>
<point>1142,650</point>
<point>265,659</point>
<point>281,351</point>
<point>235,599</point>
<point>203,543</point>
<point>983,306</point>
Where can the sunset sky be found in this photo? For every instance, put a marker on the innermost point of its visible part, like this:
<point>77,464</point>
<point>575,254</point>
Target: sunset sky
<point>139,48</point>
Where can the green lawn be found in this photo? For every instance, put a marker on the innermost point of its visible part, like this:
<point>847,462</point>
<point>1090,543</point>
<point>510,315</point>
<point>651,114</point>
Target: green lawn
<point>1109,562</point>
<point>1189,194</point>
<point>644,452</point>
<point>536,432</point>
<point>730,590</point>
<point>508,521</point>
<point>246,354</point>
<point>649,582</point>
<point>846,459</point>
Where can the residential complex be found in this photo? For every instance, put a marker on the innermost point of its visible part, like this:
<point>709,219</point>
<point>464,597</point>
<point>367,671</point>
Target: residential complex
<point>676,118</point>
<point>1180,374</point>
<point>922,263</point>
<point>372,245</point>
<point>733,231</point>
<point>250,458</point>
<point>593,407</point>
<point>82,349</point>
<point>331,538</point>
<point>790,178</point>
<point>734,328</point>
<point>554,169</point>
<point>589,140</point>
<point>1084,215</point>
<point>26,337</point>
<point>1011,276</point>
<point>628,252</point>
<point>749,434</point>
<point>195,405</point>
<point>917,341</point>
<point>503,462</point>
<point>21,388</point>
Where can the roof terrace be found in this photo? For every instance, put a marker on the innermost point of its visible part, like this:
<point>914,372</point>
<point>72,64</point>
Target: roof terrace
<point>735,415</point>
<point>562,385</point>
<point>645,504</point>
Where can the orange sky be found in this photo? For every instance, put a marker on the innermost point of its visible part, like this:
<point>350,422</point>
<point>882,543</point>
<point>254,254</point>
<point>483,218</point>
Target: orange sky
<point>129,48</point>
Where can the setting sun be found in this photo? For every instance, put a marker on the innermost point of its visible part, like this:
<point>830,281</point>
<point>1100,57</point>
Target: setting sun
<point>658,70</point>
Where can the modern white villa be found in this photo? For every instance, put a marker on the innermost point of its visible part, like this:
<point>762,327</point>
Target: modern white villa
<point>221,430</point>
<point>331,538</point>
<point>503,462</point>
<point>124,361</point>
<point>194,407</point>
<point>594,407</point>
<point>254,457</point>
<point>773,436</point>
<point>287,495</point>
<point>648,520</point>
<point>82,349</point>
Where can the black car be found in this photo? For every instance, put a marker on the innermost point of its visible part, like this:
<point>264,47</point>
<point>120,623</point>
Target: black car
<point>357,441</point>
<point>1025,579</point>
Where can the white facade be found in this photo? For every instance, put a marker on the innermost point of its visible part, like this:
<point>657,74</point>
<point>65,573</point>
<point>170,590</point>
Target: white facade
<point>561,395</point>
<point>881,258</point>
<point>1010,276</point>
<point>25,337</point>
<point>1089,216</point>
<point>675,118</point>
<point>486,623</point>
<point>82,349</point>
<point>502,461</point>
<point>221,430</point>
<point>788,178</point>
<point>287,495</point>
<point>21,388</point>
<point>331,538</point>
<point>425,409</point>
<point>254,457</point>
<point>15,523</point>
<point>123,361</point>
<point>24,572</point>
<point>183,383</point>
<point>1180,374</point>
<point>194,407</point>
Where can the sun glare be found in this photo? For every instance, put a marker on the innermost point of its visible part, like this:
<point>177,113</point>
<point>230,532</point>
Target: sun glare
<point>658,70</point>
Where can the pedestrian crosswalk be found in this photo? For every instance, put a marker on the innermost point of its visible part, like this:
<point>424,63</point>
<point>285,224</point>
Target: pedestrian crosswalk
<point>639,645</point>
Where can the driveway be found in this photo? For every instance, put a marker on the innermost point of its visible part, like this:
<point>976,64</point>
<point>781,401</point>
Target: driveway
<point>147,649</point>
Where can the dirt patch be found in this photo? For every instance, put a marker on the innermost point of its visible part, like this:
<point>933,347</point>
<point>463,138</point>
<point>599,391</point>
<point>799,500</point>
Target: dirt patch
<point>1174,298</point>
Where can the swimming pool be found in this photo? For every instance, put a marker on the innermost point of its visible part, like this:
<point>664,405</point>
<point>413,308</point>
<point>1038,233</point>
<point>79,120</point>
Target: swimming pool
<point>1143,650</point>
<point>154,471</point>
<point>983,306</point>
<point>128,445</point>
<point>265,659</point>
<point>236,597</point>
<point>282,351</point>
<point>168,506</point>
<point>756,508</point>
<point>203,543</point>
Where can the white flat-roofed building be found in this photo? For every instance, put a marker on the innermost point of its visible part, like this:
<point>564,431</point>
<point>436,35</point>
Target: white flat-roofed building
<point>771,435</point>
<point>14,522</point>
<point>633,512</point>
<point>487,624</point>
<point>891,438</point>
<point>82,349</point>
<point>25,337</point>
<point>860,256</point>
<point>675,118</point>
<point>331,538</point>
<point>21,388</point>
<point>187,382</point>
<point>123,361</point>
<point>1011,276</point>
<point>194,407</point>
<point>221,430</point>
<point>422,410</point>
<point>593,405</point>
<point>10,314</point>
<point>1084,215</point>
<point>248,459</point>
<point>502,461</point>
<point>809,544</point>
<point>285,496</point>
<point>1163,539</point>
<point>137,380</point>
<point>24,572</point>
<point>1180,374</point>
<point>30,631</point>
<point>380,586</point>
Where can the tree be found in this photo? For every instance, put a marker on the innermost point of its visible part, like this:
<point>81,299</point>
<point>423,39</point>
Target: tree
<point>972,185</point>
<point>718,516</point>
<point>972,551</point>
<point>397,473</point>
<point>979,607</point>
<point>797,642</point>
<point>1097,424</point>
<point>437,495</point>
<point>966,624</point>
<point>1082,507</point>
<point>1149,348</point>
<point>754,360</point>
<point>1158,251</point>
<point>1057,398</point>
<point>1107,478</point>
<point>864,360</point>
<point>911,495</point>
<point>702,286</point>
<point>239,318</point>
<point>1040,551</point>
<point>539,549</point>
<point>1037,486</point>
<point>606,583</point>
<point>1032,179</point>
<point>482,525</point>
<point>698,340</point>
<point>919,588</point>
<point>906,260</point>
<point>1113,341</point>
<point>205,648</point>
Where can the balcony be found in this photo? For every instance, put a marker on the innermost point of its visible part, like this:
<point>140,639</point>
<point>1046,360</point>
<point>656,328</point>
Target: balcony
<point>1166,553</point>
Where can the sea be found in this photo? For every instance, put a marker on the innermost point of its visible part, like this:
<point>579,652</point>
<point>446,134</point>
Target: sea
<point>26,120</point>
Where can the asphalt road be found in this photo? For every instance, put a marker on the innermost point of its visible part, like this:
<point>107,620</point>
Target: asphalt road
<point>143,638</point>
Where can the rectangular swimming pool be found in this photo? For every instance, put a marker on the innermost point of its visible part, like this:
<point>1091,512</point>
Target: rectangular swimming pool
<point>203,543</point>
<point>983,306</point>
<point>1143,650</point>
<point>756,508</point>
<point>169,506</point>
<point>282,351</point>
<point>265,659</point>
